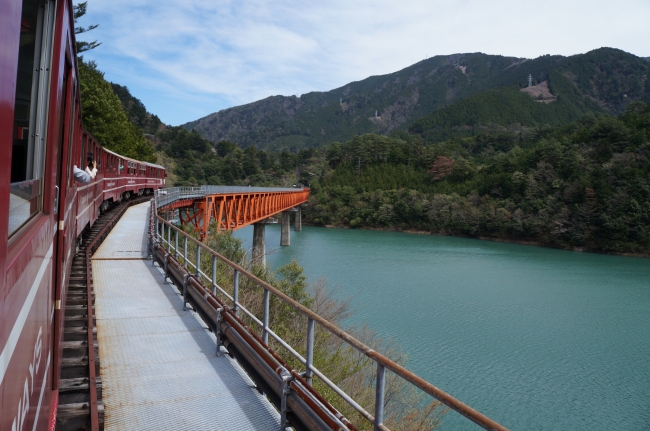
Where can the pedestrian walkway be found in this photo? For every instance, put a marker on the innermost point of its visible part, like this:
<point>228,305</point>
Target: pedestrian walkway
<point>158,364</point>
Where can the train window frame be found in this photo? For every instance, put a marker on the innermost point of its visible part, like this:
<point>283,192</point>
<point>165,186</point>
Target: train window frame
<point>82,155</point>
<point>71,129</point>
<point>27,182</point>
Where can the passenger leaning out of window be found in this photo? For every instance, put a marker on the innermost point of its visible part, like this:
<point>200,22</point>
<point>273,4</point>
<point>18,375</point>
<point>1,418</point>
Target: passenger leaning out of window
<point>90,172</point>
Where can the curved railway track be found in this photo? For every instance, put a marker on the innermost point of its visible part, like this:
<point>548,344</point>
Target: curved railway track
<point>80,404</point>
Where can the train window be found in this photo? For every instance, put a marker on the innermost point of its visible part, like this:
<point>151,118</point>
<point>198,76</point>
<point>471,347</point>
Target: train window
<point>28,149</point>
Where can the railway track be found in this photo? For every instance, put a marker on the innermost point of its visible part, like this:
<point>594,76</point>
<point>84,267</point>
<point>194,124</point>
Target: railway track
<point>80,404</point>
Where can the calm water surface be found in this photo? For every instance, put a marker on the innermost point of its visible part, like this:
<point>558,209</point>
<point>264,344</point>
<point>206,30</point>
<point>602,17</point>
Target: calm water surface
<point>535,338</point>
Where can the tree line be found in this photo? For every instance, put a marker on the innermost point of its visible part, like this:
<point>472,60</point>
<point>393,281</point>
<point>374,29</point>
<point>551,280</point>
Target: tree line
<point>585,185</point>
<point>581,186</point>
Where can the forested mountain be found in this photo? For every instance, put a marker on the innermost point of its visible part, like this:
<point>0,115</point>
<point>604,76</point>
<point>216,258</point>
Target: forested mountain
<point>585,185</point>
<point>507,108</point>
<point>104,116</point>
<point>136,111</point>
<point>603,80</point>
<point>193,160</point>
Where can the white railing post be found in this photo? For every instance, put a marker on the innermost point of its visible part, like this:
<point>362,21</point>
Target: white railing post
<point>185,251</point>
<point>379,396</point>
<point>214,274</point>
<point>310,350</point>
<point>235,292</point>
<point>265,321</point>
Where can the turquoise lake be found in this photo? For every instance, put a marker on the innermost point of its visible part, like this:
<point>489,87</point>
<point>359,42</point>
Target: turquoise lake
<point>534,338</point>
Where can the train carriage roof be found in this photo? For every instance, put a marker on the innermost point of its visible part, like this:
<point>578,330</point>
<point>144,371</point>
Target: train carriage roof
<point>153,165</point>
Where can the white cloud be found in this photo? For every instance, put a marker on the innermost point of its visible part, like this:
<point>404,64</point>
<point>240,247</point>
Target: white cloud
<point>206,55</point>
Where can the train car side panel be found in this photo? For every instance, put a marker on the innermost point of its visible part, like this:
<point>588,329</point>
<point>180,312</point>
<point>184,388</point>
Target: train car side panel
<point>30,267</point>
<point>27,392</point>
<point>9,34</point>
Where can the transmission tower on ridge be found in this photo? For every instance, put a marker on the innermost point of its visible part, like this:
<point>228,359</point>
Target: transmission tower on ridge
<point>530,80</point>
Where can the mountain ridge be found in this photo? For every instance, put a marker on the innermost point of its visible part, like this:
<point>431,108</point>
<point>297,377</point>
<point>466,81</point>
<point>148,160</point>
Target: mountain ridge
<point>604,80</point>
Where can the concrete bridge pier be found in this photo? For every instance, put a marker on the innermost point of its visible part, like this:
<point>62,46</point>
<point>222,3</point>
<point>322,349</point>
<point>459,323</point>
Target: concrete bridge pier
<point>285,237</point>
<point>297,223</point>
<point>259,243</point>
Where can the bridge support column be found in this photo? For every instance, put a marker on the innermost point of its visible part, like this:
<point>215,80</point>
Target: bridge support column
<point>285,238</point>
<point>297,223</point>
<point>259,244</point>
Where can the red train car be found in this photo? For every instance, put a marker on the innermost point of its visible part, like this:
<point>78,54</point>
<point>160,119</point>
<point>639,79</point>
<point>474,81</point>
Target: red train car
<point>43,209</point>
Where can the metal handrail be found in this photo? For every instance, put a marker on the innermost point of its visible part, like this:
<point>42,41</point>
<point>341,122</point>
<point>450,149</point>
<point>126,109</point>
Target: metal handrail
<point>382,362</point>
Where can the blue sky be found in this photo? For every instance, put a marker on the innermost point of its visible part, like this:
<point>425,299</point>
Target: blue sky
<point>185,59</point>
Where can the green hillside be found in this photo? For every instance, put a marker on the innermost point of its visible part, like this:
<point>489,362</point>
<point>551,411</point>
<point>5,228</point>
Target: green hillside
<point>604,80</point>
<point>585,185</point>
<point>103,115</point>
<point>136,111</point>
<point>506,108</point>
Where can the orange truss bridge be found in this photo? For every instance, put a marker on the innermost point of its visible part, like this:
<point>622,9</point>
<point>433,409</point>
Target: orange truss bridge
<point>231,207</point>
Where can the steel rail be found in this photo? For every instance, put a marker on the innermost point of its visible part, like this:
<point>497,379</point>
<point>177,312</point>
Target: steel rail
<point>382,361</point>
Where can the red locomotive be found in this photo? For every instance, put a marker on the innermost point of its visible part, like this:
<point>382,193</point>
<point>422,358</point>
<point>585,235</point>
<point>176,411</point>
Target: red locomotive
<point>43,209</point>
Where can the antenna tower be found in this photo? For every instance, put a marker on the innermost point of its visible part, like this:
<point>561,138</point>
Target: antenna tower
<point>530,80</point>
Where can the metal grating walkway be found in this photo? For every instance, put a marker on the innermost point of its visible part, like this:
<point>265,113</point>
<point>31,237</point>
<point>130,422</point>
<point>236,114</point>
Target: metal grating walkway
<point>158,364</point>
<point>129,238</point>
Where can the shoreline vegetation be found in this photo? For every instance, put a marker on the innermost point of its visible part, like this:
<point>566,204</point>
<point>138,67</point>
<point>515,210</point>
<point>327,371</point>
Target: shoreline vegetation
<point>584,186</point>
